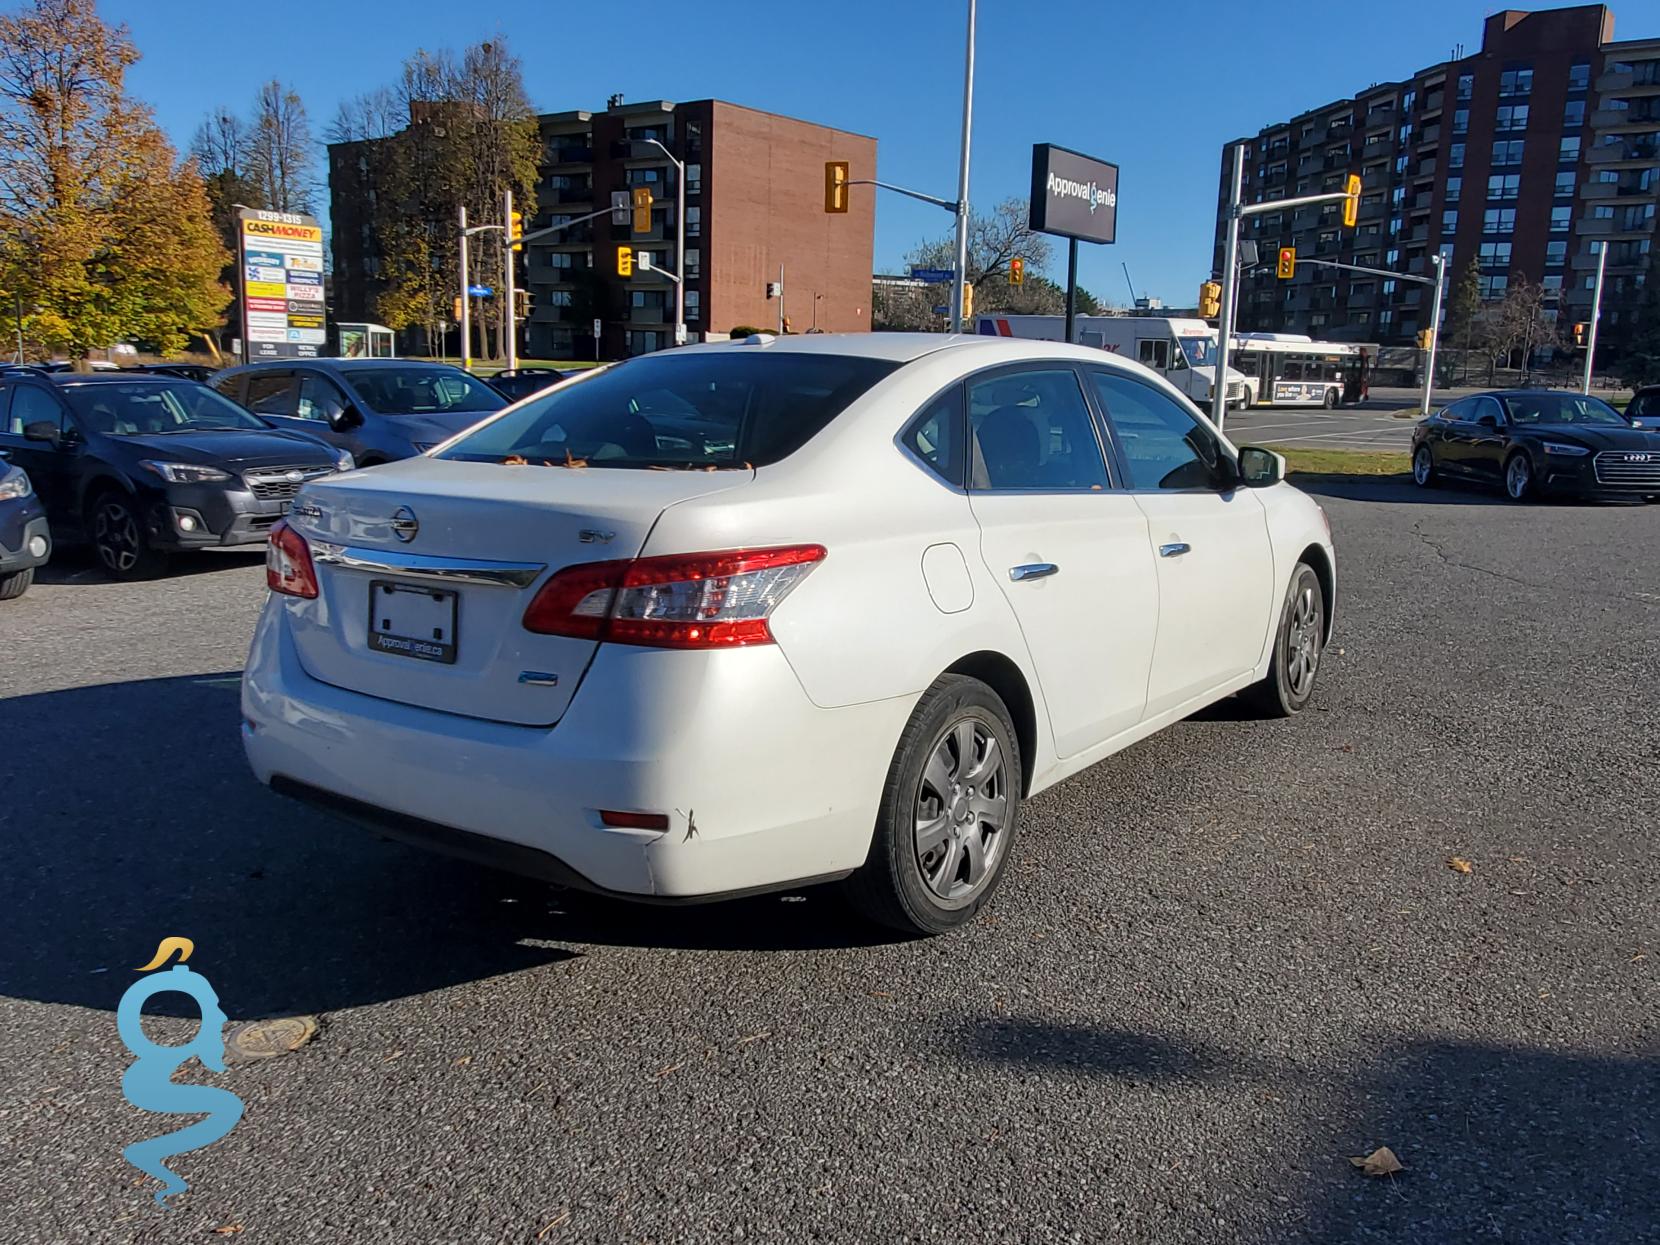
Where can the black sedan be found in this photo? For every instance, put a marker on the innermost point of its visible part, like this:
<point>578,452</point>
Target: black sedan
<point>521,382</point>
<point>1644,408</point>
<point>146,466</point>
<point>1532,442</point>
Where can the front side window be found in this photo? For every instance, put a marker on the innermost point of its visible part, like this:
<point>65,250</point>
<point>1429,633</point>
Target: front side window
<point>32,405</point>
<point>733,408</point>
<point>936,436</point>
<point>319,399</point>
<point>1164,446</point>
<point>1032,430</point>
<point>1562,408</point>
<point>269,393</point>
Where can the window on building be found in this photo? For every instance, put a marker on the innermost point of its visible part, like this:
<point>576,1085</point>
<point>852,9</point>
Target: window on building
<point>1573,115</point>
<point>1455,187</point>
<point>1556,254</point>
<point>1493,286</point>
<point>1579,76</point>
<point>694,306</point>
<point>1461,121</point>
<point>1498,220</point>
<point>1445,250</point>
<point>1602,211</point>
<point>1552,282</point>
<point>1449,221</point>
<point>1503,186</point>
<point>1493,255</point>
<point>1466,85</point>
<point>1568,153</point>
<point>694,179</point>
<point>558,298</point>
<point>1636,217</point>
<point>1455,156</point>
<point>1515,82</point>
<point>1510,117</point>
<point>644,177</point>
<point>694,222</point>
<point>1561,219</point>
<point>1509,151</point>
<point>1564,185</point>
<point>694,263</point>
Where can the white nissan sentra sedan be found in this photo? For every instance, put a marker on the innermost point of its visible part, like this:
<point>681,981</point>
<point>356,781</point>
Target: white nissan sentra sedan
<point>741,617</point>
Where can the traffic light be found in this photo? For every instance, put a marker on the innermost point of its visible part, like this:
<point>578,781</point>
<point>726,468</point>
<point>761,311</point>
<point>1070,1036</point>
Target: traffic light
<point>835,185</point>
<point>968,301</point>
<point>1351,205</point>
<point>455,310</point>
<point>516,230</point>
<point>1288,263</point>
<point>1017,271</point>
<point>1210,300</point>
<point>521,304</point>
<point>625,261</point>
<point>1426,339</point>
<point>1579,336</point>
<point>642,209</point>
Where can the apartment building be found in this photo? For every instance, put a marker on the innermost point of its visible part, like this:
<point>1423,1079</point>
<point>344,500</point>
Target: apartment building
<point>754,211</point>
<point>1523,157</point>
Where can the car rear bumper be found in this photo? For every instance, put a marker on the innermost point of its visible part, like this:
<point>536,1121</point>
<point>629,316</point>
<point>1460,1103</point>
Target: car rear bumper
<point>762,789</point>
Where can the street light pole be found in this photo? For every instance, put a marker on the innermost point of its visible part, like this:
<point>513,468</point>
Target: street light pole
<point>679,241</point>
<point>961,279</point>
<point>1224,318</point>
<point>1596,315</point>
<point>510,316</point>
<point>466,318</point>
<point>1440,263</point>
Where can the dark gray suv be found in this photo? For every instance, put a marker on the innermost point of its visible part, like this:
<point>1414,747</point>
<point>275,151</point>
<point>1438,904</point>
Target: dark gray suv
<point>377,409</point>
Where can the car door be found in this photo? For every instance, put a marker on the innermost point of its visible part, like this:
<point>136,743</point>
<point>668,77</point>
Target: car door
<point>318,400</point>
<point>51,468</point>
<point>1215,566</point>
<point>1483,440</point>
<point>1454,437</point>
<point>1067,548</point>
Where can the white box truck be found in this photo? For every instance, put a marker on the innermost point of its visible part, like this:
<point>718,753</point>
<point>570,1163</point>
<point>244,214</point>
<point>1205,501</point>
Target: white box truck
<point>1180,350</point>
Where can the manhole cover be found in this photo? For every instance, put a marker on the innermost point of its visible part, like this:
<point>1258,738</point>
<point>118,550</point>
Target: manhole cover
<point>264,1039</point>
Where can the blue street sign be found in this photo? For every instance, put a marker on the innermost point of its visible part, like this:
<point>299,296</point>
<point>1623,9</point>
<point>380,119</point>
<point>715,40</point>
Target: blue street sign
<point>480,291</point>
<point>941,309</point>
<point>934,276</point>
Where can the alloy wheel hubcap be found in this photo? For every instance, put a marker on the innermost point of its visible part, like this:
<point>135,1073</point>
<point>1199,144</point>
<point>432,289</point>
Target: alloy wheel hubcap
<point>961,810</point>
<point>1302,642</point>
<point>1517,476</point>
<point>1421,466</point>
<point>115,532</point>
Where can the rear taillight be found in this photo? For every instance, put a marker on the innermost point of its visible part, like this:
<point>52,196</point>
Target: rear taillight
<point>690,600</point>
<point>288,568</point>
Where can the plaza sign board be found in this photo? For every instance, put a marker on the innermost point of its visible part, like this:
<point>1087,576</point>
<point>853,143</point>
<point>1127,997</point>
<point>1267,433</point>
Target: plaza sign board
<point>280,264</point>
<point>1073,195</point>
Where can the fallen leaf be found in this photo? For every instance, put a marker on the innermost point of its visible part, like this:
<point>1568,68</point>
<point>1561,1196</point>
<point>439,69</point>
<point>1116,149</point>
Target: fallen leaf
<point>673,1067</point>
<point>754,1037</point>
<point>572,461</point>
<point>228,1229</point>
<point>1380,1162</point>
<point>550,1227</point>
<point>515,460</point>
<point>1459,864</point>
<point>462,1062</point>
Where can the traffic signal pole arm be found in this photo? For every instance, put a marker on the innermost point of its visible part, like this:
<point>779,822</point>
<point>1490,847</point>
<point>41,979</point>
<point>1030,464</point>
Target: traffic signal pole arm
<point>948,204</point>
<point>1375,272</point>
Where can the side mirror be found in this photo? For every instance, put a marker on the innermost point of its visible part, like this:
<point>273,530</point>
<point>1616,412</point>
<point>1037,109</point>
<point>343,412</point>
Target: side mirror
<point>343,419</point>
<point>1259,468</point>
<point>43,430</point>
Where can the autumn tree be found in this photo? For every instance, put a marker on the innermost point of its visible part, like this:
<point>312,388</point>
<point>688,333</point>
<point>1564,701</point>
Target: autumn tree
<point>1638,347</point>
<point>1462,325</point>
<point>104,235</point>
<point>280,150</point>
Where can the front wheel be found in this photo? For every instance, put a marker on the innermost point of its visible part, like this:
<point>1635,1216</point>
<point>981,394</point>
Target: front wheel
<point>1518,477</point>
<point>1423,467</point>
<point>1298,645</point>
<point>118,536</point>
<point>947,819</point>
<point>16,584</point>
<point>1331,400</point>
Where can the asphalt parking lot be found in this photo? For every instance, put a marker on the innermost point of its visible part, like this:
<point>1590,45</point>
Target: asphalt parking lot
<point>1360,428</point>
<point>1229,958</point>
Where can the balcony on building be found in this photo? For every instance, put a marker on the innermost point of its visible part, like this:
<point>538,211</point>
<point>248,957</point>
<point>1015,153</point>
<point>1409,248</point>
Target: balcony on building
<point>570,153</point>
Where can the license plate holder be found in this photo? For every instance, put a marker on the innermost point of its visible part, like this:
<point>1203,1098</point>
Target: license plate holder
<point>413,620</point>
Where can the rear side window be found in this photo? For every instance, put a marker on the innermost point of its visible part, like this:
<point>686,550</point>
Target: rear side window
<point>230,387</point>
<point>724,408</point>
<point>936,436</point>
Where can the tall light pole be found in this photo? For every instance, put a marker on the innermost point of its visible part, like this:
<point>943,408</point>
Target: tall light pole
<point>466,319</point>
<point>679,241</point>
<point>1440,262</point>
<point>1596,315</point>
<point>1224,317</point>
<point>960,280</point>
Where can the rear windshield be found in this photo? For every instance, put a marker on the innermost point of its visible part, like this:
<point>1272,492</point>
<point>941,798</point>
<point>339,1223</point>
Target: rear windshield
<point>727,408</point>
<point>422,390</point>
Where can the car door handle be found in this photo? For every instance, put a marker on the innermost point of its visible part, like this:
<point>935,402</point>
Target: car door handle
<point>1033,570</point>
<point>1175,549</point>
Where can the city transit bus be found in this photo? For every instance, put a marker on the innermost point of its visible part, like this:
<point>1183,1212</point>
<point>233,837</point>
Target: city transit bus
<point>1287,369</point>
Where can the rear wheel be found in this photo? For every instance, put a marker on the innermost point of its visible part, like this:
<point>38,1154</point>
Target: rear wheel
<point>118,536</point>
<point>16,584</point>
<point>1331,400</point>
<point>1423,468</point>
<point>947,819</point>
<point>1298,645</point>
<point>1518,477</point>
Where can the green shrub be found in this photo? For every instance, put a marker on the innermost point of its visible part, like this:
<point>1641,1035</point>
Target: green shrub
<point>745,330</point>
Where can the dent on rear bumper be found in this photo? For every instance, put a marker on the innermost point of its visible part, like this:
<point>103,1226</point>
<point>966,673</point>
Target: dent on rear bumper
<point>761,787</point>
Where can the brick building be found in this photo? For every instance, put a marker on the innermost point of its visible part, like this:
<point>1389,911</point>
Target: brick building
<point>1524,156</point>
<point>754,201</point>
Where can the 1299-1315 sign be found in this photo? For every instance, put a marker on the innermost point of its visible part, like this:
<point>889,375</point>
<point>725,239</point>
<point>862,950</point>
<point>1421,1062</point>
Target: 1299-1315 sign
<point>281,259</point>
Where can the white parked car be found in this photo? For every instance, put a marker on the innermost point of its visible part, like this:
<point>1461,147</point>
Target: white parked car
<point>740,617</point>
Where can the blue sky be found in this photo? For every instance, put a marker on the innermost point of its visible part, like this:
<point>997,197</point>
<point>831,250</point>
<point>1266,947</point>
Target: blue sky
<point>1121,81</point>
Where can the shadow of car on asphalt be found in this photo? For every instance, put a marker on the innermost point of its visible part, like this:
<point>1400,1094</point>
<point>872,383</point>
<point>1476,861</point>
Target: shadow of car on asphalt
<point>1398,489</point>
<point>133,816</point>
<point>1499,1142</point>
<point>77,565</point>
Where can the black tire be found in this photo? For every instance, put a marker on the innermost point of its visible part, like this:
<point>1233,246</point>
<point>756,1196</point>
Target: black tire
<point>1331,400</point>
<point>1518,480</point>
<point>1302,632</point>
<point>117,532</point>
<point>900,884</point>
<point>16,584</point>
<point>1424,474</point>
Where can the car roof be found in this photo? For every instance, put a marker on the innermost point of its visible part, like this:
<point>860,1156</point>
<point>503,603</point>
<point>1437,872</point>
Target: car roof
<point>1532,393</point>
<point>345,365</point>
<point>904,347</point>
<point>96,378</point>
